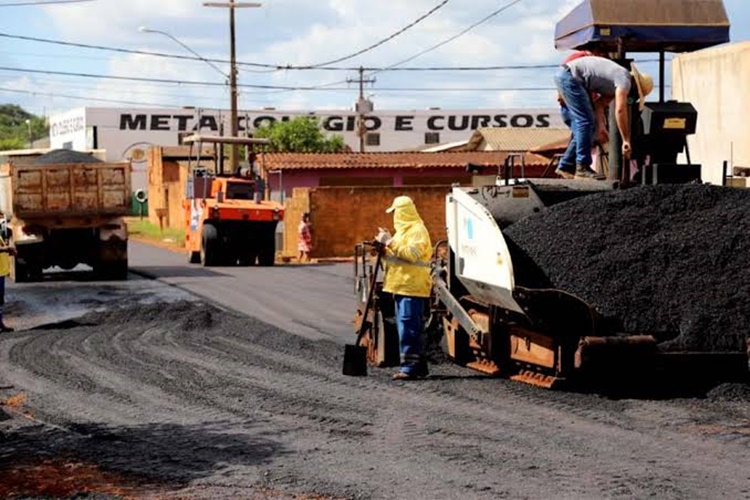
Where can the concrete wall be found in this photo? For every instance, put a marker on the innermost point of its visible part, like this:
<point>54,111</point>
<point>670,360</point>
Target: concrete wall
<point>344,216</point>
<point>715,81</point>
<point>166,188</point>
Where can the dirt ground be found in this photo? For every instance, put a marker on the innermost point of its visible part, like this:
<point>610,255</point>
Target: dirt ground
<point>160,396</point>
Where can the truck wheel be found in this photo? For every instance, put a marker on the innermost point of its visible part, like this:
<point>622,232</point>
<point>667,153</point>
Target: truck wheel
<point>114,271</point>
<point>267,256</point>
<point>20,272</point>
<point>194,257</point>
<point>209,254</point>
<point>267,251</point>
<point>120,270</point>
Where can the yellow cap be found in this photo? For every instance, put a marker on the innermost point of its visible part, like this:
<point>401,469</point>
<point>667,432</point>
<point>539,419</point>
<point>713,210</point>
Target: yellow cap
<point>400,202</point>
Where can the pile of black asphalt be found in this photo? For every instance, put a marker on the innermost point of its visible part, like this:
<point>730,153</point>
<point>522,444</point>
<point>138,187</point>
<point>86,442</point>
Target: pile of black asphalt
<point>671,261</point>
<point>64,156</point>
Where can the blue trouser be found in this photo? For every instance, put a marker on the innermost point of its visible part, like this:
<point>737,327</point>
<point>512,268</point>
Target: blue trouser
<point>580,112</point>
<point>409,319</point>
<point>2,297</point>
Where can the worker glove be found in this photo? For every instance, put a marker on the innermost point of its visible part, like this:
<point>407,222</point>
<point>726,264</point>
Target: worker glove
<point>384,237</point>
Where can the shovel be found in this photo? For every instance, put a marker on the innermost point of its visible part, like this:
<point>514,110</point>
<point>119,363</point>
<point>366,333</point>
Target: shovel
<point>355,356</point>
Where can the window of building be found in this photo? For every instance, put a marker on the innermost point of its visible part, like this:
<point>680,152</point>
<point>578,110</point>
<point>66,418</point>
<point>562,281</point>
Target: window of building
<point>432,138</point>
<point>372,139</point>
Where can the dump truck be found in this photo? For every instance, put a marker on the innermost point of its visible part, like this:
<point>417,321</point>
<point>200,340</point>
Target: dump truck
<point>66,208</point>
<point>227,219</point>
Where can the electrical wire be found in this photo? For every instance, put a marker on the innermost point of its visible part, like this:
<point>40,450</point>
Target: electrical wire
<point>434,47</point>
<point>281,67</point>
<point>43,2</point>
<point>68,96</point>
<point>172,81</point>
<point>130,51</point>
<point>381,42</point>
<point>460,34</point>
<point>256,86</point>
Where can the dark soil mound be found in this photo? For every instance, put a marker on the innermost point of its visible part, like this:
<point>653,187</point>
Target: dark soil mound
<point>64,156</point>
<point>667,260</point>
<point>736,393</point>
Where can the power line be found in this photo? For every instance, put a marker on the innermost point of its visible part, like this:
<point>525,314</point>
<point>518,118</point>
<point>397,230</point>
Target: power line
<point>462,33</point>
<point>137,79</point>
<point>95,99</point>
<point>381,42</point>
<point>278,67</point>
<point>128,51</point>
<point>67,86</point>
<point>43,2</point>
<point>255,86</point>
<point>444,42</point>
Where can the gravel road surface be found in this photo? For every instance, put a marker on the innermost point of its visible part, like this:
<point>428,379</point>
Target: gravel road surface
<point>154,393</point>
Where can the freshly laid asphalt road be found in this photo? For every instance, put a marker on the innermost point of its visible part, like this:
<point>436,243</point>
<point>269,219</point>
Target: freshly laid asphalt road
<point>155,394</point>
<point>315,301</point>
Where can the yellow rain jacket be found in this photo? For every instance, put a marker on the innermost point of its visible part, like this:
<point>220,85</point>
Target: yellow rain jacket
<point>4,260</point>
<point>407,258</point>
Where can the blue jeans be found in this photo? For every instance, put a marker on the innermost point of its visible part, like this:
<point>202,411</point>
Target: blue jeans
<point>409,319</point>
<point>580,112</point>
<point>2,297</point>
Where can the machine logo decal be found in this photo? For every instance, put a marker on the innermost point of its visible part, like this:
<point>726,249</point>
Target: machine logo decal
<point>469,224</point>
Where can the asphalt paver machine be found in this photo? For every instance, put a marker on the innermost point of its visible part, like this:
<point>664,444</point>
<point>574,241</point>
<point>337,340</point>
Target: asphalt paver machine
<point>548,337</point>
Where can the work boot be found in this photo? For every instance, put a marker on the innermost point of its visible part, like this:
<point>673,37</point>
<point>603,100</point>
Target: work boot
<point>421,371</point>
<point>564,174</point>
<point>584,173</point>
<point>404,376</point>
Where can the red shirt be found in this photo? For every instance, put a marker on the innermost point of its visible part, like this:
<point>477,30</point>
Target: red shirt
<point>576,55</point>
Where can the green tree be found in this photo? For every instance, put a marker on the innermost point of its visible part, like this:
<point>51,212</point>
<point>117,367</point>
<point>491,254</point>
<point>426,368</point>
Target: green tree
<point>15,132</point>
<point>8,143</point>
<point>300,135</point>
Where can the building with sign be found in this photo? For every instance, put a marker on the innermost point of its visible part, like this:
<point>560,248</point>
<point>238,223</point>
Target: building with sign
<point>128,133</point>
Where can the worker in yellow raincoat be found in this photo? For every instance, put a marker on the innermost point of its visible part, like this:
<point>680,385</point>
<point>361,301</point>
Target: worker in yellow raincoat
<point>407,277</point>
<point>5,252</point>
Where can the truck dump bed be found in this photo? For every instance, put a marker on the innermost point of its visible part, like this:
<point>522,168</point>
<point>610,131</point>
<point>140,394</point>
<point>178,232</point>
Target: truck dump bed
<point>65,190</point>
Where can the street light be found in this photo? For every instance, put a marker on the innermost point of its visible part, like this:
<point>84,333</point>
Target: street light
<point>28,130</point>
<point>144,29</point>
<point>232,5</point>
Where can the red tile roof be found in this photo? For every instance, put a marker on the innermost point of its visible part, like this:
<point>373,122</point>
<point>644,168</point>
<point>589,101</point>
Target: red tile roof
<point>315,161</point>
<point>552,148</point>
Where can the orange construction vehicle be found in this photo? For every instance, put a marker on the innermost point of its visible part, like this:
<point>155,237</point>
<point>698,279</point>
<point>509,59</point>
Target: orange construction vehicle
<point>227,219</point>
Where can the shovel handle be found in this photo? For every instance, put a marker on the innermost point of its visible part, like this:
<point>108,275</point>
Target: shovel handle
<point>370,296</point>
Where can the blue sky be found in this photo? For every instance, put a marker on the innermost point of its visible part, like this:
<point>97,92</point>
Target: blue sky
<point>294,32</point>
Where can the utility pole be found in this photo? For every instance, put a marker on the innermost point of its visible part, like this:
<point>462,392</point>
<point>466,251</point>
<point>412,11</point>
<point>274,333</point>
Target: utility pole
<point>233,118</point>
<point>363,107</point>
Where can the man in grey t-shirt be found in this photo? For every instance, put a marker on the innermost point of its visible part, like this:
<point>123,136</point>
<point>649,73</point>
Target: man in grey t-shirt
<point>576,81</point>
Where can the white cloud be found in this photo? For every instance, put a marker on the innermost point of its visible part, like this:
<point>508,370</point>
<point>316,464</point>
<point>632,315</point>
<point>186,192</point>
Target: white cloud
<point>304,32</point>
